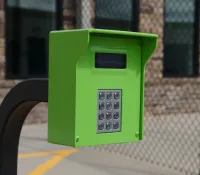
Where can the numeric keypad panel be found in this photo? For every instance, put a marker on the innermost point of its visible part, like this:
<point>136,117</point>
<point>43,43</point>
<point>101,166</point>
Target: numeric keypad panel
<point>109,111</point>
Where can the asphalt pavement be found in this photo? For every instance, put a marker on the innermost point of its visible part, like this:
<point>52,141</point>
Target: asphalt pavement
<point>37,157</point>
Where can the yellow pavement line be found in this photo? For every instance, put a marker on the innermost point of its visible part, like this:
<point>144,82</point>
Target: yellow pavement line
<point>40,153</point>
<point>51,162</point>
<point>34,154</point>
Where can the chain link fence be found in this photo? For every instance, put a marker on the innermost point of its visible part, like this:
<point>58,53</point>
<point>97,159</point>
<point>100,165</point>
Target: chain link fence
<point>172,105</point>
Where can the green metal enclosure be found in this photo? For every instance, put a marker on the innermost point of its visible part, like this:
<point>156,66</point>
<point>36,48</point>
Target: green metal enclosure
<point>96,86</point>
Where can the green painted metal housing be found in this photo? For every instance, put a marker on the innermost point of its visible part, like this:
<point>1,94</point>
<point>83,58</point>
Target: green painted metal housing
<point>74,81</point>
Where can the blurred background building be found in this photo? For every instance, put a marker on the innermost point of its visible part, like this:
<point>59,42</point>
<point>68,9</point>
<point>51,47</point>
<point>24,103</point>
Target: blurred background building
<point>172,72</point>
<point>172,89</point>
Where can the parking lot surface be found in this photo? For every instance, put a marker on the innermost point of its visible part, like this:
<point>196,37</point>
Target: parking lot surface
<point>37,157</point>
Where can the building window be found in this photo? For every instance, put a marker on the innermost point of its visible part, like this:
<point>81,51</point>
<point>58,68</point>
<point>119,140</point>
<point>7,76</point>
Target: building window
<point>117,14</point>
<point>27,27</point>
<point>181,45</point>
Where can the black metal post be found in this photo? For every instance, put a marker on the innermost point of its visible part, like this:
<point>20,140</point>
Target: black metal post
<point>13,111</point>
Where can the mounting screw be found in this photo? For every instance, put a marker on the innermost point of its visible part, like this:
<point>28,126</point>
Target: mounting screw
<point>77,138</point>
<point>137,134</point>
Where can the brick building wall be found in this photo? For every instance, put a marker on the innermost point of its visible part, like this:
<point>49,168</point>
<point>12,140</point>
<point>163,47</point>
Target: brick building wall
<point>162,96</point>
<point>165,96</point>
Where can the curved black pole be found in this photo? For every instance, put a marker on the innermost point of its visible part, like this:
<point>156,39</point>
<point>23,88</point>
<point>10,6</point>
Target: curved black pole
<point>13,111</point>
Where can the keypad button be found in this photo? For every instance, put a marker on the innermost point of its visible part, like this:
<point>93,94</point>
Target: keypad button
<point>101,106</point>
<point>101,95</point>
<point>109,95</point>
<point>108,115</point>
<point>116,115</point>
<point>116,125</point>
<point>116,95</point>
<point>101,116</point>
<point>108,126</point>
<point>101,126</point>
<point>116,105</point>
<point>108,105</point>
